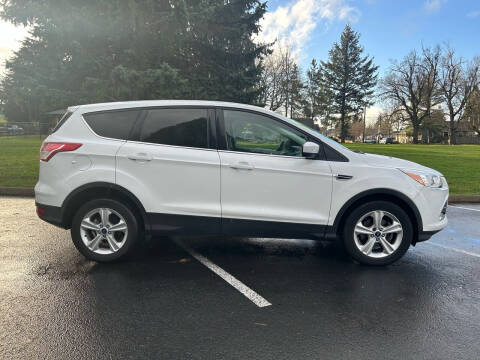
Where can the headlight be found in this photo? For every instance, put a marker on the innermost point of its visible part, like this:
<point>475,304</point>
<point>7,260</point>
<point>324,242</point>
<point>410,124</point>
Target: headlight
<point>426,179</point>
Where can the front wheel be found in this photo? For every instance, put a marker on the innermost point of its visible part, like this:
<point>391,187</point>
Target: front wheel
<point>104,230</point>
<point>377,233</point>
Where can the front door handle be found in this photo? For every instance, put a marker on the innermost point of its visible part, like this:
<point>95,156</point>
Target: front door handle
<point>140,157</point>
<point>242,165</point>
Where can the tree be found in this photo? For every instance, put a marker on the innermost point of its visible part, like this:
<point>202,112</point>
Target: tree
<point>272,82</point>
<point>384,124</point>
<point>472,111</point>
<point>296,89</point>
<point>411,85</point>
<point>146,50</point>
<point>349,76</point>
<point>317,96</point>
<point>457,82</point>
<point>433,126</point>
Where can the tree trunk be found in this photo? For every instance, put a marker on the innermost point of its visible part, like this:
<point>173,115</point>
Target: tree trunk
<point>342,128</point>
<point>415,133</point>
<point>453,140</point>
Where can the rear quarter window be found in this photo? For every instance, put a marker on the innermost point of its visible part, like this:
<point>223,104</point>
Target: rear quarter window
<point>113,124</point>
<point>62,121</point>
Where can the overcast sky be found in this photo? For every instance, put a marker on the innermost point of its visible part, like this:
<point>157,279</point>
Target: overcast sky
<point>389,28</point>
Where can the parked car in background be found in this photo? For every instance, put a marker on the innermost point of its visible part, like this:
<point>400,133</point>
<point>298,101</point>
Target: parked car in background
<point>15,130</point>
<point>388,140</point>
<point>370,141</point>
<point>115,172</point>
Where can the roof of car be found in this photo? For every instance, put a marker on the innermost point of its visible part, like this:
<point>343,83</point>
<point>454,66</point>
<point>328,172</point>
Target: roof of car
<point>159,103</point>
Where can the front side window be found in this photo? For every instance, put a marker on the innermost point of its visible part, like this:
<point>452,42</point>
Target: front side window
<point>179,127</point>
<point>112,124</point>
<point>254,133</point>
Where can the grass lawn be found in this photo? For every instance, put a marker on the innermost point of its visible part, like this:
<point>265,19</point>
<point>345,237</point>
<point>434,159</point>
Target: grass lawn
<point>19,158</point>
<point>460,164</point>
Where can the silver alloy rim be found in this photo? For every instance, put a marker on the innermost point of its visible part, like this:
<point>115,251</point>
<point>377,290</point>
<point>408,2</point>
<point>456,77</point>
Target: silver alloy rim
<point>103,231</point>
<point>378,234</point>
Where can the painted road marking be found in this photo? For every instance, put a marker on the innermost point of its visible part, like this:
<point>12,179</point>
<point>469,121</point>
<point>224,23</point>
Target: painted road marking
<point>454,249</point>
<point>237,284</point>
<point>464,208</point>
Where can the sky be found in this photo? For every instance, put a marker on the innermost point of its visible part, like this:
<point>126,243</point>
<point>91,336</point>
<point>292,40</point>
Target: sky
<point>389,28</point>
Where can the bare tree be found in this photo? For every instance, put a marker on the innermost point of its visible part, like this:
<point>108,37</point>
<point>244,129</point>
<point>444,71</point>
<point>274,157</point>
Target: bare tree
<point>411,84</point>
<point>273,82</point>
<point>458,79</point>
<point>471,114</point>
<point>279,71</point>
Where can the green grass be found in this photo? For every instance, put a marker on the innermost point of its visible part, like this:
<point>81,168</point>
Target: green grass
<point>460,164</point>
<point>19,158</point>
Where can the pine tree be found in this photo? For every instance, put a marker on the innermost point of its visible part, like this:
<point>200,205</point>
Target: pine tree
<point>350,77</point>
<point>94,51</point>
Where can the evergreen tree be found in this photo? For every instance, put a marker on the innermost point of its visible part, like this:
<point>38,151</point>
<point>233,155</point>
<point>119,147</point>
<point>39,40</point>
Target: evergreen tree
<point>350,77</point>
<point>107,50</point>
<point>317,95</point>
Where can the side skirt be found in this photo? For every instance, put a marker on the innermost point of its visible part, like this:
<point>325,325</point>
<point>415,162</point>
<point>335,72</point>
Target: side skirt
<point>187,225</point>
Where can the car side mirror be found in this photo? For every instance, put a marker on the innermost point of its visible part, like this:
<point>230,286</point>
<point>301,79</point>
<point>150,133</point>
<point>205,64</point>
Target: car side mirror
<point>310,150</point>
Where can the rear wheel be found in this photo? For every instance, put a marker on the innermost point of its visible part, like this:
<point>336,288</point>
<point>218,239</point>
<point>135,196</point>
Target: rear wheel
<point>377,233</point>
<point>104,230</point>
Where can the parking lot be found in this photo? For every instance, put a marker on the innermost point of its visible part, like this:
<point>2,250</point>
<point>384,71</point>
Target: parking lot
<point>236,298</point>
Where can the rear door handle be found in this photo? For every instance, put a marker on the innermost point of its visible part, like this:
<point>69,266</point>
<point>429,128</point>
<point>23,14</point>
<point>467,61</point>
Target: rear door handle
<point>343,177</point>
<point>140,157</point>
<point>242,165</point>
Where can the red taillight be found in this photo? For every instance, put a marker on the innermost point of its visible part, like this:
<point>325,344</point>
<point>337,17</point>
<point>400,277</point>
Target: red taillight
<point>40,211</point>
<point>49,149</point>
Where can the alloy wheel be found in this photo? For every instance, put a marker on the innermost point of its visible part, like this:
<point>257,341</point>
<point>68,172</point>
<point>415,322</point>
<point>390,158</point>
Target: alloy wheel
<point>378,234</point>
<point>103,231</point>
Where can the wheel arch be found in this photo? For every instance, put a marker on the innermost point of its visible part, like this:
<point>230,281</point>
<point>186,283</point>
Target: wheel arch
<point>375,195</point>
<point>97,190</point>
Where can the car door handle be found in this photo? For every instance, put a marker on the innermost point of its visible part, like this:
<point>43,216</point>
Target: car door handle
<point>242,165</point>
<point>343,177</point>
<point>140,157</point>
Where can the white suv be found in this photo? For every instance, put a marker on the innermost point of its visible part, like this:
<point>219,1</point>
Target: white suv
<point>116,172</point>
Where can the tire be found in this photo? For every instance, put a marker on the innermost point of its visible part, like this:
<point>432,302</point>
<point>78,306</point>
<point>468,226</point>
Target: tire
<point>96,239</point>
<point>373,244</point>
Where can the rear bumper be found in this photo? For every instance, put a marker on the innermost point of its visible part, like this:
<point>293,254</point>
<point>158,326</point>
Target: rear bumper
<point>50,214</point>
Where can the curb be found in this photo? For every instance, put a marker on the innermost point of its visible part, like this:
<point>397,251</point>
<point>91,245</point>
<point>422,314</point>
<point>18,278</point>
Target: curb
<point>28,192</point>
<point>471,199</point>
<point>16,191</point>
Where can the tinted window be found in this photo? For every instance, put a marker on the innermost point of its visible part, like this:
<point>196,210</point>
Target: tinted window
<point>62,121</point>
<point>180,127</point>
<point>249,132</point>
<point>112,124</point>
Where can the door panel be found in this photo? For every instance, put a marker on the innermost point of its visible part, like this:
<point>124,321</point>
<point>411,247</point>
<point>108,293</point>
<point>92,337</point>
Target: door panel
<point>276,188</point>
<point>264,175</point>
<point>181,177</point>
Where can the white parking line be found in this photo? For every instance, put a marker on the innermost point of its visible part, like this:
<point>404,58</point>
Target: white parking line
<point>454,249</point>
<point>464,208</point>
<point>237,284</point>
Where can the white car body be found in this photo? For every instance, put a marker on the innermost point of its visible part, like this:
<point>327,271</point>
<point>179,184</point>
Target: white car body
<point>217,190</point>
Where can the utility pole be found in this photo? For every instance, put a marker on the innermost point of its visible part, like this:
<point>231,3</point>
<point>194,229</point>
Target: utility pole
<point>364,117</point>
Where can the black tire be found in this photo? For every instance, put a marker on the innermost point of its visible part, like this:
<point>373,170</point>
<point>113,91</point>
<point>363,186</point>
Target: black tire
<point>130,220</point>
<point>358,213</point>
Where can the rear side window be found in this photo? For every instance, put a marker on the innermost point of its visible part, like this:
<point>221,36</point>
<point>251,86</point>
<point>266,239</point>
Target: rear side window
<point>180,127</point>
<point>112,124</point>
<point>62,121</point>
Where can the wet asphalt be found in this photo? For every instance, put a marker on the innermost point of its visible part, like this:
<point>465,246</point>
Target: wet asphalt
<point>164,304</point>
